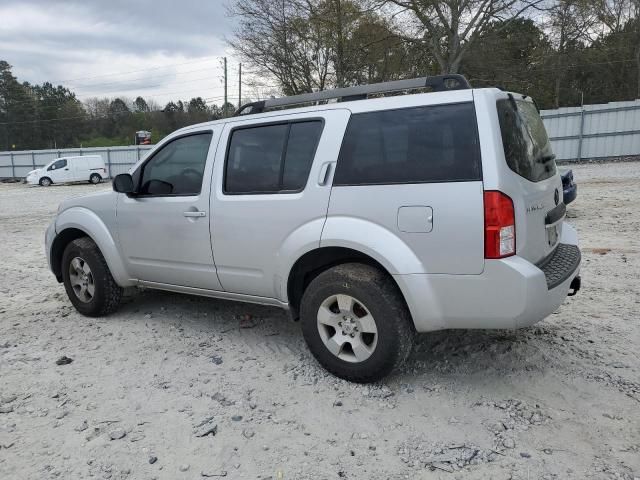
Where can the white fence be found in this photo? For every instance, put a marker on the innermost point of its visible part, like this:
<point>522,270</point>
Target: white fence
<point>594,131</point>
<point>117,159</point>
<point>577,133</point>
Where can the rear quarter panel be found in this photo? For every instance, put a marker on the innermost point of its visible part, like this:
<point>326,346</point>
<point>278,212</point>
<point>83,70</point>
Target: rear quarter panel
<point>365,218</point>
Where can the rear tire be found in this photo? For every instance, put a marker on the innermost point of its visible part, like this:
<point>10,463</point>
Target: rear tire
<point>45,182</point>
<point>356,322</point>
<point>95,178</point>
<point>87,279</point>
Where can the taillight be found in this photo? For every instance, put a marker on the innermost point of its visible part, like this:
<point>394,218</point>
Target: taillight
<point>499,225</point>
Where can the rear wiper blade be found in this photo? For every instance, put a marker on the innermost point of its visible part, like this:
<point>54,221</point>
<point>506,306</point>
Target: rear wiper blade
<point>546,158</point>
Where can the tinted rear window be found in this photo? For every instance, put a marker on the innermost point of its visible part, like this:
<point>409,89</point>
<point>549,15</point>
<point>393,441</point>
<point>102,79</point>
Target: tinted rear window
<point>413,145</point>
<point>271,158</point>
<point>524,139</point>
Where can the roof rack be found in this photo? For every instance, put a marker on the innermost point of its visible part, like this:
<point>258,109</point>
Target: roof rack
<point>438,83</point>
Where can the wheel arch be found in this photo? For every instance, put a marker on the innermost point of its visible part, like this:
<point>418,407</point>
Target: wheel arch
<point>314,262</point>
<point>60,242</point>
<point>79,222</point>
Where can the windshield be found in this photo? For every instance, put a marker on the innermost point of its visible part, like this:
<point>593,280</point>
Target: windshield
<point>524,139</point>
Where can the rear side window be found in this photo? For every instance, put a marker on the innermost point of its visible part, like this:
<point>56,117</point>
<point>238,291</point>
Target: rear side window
<point>524,139</point>
<point>413,145</point>
<point>271,158</point>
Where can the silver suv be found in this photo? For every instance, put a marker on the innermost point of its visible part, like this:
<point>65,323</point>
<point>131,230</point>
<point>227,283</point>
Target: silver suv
<point>369,219</point>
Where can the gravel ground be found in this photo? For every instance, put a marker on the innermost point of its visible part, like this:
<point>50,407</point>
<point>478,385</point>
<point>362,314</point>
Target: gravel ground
<point>179,387</point>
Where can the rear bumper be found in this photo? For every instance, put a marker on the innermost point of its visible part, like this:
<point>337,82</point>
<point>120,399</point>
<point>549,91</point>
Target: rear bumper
<point>510,293</point>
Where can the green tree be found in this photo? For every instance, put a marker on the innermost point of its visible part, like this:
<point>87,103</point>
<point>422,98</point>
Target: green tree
<point>17,108</point>
<point>196,105</point>
<point>448,28</point>
<point>514,57</point>
<point>140,105</point>
<point>60,117</point>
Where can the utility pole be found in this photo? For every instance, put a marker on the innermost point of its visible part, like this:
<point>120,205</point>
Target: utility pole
<point>225,88</point>
<point>239,85</point>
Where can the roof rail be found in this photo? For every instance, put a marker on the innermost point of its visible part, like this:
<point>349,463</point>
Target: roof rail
<point>438,83</point>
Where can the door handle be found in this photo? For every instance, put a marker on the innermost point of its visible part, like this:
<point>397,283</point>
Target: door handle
<point>197,213</point>
<point>324,173</point>
<point>66,169</point>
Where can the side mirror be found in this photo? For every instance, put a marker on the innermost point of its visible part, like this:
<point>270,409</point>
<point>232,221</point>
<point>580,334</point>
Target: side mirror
<point>123,183</point>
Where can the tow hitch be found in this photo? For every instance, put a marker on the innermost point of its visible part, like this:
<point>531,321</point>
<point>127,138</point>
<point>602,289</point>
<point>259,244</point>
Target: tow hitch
<point>575,286</point>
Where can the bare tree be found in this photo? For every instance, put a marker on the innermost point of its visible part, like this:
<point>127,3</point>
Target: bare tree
<point>570,21</point>
<point>276,38</point>
<point>614,14</point>
<point>449,27</point>
<point>311,45</point>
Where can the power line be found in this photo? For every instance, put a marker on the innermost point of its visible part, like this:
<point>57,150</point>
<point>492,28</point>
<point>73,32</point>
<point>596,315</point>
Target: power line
<point>116,82</point>
<point>88,117</point>
<point>146,87</point>
<point>205,59</point>
<point>62,102</point>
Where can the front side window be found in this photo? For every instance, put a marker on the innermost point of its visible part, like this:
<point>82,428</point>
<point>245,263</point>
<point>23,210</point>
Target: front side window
<point>271,158</point>
<point>58,164</point>
<point>412,145</point>
<point>177,168</point>
<point>524,139</point>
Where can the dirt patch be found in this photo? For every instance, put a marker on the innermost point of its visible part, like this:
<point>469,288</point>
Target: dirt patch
<point>179,387</point>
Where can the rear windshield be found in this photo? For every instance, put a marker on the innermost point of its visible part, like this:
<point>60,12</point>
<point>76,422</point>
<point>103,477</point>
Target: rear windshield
<point>413,145</point>
<point>524,139</point>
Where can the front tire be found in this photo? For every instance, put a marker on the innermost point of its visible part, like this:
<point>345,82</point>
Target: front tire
<point>87,279</point>
<point>95,178</point>
<point>45,182</point>
<point>356,322</point>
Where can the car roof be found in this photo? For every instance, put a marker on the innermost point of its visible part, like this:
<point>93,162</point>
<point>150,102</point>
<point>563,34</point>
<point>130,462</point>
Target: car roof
<point>358,106</point>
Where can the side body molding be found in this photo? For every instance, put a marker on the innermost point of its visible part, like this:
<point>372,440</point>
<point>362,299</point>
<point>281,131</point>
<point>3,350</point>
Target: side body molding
<point>87,221</point>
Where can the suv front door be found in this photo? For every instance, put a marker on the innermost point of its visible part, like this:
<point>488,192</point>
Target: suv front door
<point>163,229</point>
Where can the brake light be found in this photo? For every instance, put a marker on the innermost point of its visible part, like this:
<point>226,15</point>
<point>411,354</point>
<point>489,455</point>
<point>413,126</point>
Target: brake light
<point>499,225</point>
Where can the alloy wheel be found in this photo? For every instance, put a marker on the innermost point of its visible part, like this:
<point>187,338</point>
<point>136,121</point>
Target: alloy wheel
<point>347,328</point>
<point>81,279</point>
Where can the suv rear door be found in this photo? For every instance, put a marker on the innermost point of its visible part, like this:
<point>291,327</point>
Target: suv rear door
<point>272,186</point>
<point>531,176</point>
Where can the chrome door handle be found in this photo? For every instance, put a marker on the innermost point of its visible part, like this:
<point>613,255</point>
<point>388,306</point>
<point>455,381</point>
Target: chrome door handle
<point>197,213</point>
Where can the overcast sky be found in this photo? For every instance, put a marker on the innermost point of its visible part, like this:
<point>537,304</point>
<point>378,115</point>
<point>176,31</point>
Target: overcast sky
<point>160,49</point>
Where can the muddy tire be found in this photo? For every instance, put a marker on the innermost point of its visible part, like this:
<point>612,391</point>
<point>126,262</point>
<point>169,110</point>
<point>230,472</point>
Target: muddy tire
<point>87,279</point>
<point>356,322</point>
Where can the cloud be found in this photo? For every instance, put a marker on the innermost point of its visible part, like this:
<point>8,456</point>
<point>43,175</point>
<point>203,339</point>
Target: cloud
<point>81,44</point>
